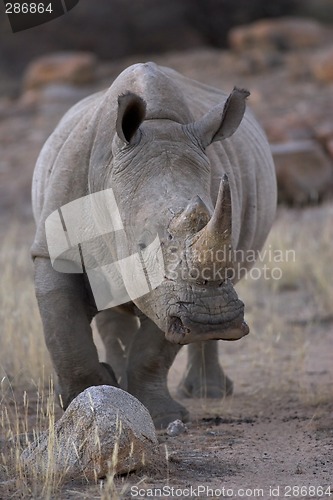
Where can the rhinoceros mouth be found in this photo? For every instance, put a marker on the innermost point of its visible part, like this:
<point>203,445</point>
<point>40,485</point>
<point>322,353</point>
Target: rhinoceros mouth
<point>186,329</point>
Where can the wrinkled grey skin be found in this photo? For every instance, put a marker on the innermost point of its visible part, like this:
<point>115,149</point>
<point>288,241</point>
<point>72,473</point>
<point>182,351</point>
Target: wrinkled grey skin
<point>163,143</point>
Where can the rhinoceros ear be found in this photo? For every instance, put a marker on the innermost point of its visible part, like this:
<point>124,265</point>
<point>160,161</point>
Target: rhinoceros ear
<point>223,120</point>
<point>131,113</point>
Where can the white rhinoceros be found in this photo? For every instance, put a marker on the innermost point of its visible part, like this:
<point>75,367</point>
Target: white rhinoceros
<point>183,164</point>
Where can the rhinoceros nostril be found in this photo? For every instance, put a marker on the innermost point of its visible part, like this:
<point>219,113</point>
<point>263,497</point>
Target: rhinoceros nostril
<point>201,283</point>
<point>176,326</point>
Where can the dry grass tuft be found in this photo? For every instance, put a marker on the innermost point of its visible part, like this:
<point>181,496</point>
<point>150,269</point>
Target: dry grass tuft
<point>23,354</point>
<point>284,313</point>
<point>27,396</point>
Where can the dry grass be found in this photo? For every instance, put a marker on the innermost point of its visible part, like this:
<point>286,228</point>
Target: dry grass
<point>284,313</point>
<point>27,397</point>
<point>18,430</point>
<point>23,355</point>
<point>25,368</point>
<point>310,238</point>
<point>43,478</point>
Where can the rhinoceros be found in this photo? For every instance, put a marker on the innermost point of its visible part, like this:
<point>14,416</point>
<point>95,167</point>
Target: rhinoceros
<point>187,163</point>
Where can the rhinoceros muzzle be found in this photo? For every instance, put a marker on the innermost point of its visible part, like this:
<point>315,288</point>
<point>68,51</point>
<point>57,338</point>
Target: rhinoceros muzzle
<point>211,311</point>
<point>188,327</point>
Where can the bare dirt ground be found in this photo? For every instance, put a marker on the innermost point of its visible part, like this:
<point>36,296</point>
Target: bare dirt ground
<point>276,431</point>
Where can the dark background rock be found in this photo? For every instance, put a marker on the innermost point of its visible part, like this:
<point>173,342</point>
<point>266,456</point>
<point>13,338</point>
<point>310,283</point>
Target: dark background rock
<point>76,68</point>
<point>322,10</point>
<point>285,34</point>
<point>113,29</point>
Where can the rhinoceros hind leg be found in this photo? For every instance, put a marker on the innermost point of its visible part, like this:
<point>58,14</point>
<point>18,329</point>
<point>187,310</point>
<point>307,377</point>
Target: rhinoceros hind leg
<point>204,377</point>
<point>149,361</point>
<point>117,328</point>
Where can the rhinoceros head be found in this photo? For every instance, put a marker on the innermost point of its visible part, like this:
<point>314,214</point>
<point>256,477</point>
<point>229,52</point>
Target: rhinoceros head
<point>161,177</point>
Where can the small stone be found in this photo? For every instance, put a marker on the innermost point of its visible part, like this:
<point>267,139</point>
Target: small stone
<point>74,68</point>
<point>176,428</point>
<point>103,430</point>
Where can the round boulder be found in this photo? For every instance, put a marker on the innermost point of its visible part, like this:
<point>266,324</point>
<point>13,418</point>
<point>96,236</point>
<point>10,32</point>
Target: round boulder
<point>104,430</point>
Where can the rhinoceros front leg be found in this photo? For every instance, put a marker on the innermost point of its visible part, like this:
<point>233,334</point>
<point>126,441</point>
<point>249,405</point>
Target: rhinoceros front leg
<point>204,377</point>
<point>64,308</point>
<point>149,361</point>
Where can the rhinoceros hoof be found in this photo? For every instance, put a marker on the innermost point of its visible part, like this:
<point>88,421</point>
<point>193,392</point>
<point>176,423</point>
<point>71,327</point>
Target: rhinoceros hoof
<point>194,386</point>
<point>174,411</point>
<point>163,409</point>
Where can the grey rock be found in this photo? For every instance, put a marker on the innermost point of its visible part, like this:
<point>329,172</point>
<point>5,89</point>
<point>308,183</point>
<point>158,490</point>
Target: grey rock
<point>103,430</point>
<point>176,428</point>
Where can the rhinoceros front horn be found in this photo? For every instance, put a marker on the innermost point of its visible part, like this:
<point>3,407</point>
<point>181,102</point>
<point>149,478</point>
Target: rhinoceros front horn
<point>216,235</point>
